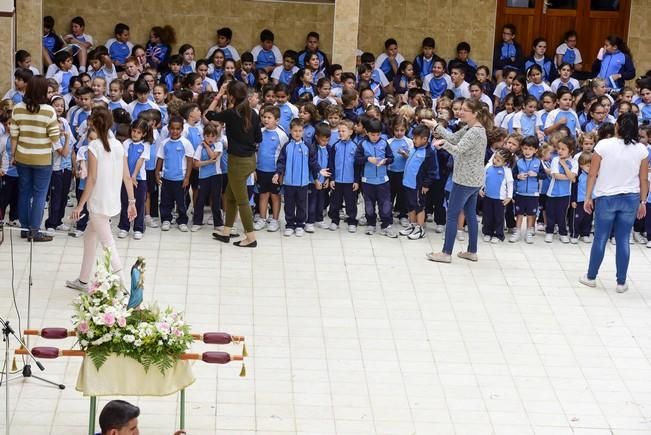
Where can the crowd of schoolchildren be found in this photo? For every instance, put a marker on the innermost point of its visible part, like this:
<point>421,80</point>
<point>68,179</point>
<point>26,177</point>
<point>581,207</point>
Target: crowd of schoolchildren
<point>330,136</point>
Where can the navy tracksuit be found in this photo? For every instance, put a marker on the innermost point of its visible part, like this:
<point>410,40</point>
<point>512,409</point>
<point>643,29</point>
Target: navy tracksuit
<point>375,180</point>
<point>345,172</point>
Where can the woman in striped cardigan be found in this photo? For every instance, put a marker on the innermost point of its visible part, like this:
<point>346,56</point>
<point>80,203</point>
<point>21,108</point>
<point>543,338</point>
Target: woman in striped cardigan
<point>34,131</point>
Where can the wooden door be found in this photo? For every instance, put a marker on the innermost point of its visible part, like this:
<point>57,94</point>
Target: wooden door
<point>593,20</point>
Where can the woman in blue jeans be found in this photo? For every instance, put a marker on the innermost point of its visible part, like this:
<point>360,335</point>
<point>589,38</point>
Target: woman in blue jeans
<point>468,147</point>
<point>34,130</point>
<point>619,185</point>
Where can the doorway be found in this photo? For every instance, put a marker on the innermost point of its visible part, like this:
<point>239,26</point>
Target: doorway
<point>593,20</point>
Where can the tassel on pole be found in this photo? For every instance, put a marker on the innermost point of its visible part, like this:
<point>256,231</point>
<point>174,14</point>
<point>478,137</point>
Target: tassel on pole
<point>244,352</point>
<point>243,371</point>
<point>14,367</point>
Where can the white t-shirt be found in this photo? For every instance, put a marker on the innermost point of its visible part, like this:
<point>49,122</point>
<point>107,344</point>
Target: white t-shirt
<point>561,49</point>
<point>619,171</point>
<point>105,197</point>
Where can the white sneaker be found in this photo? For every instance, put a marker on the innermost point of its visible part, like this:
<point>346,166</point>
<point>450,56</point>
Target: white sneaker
<point>299,232</point>
<point>648,244</point>
<point>417,233</point>
<point>137,235</point>
<point>587,281</point>
<point>429,218</point>
<point>75,233</point>
<point>352,228</point>
<point>210,221</point>
<point>166,226</point>
<point>362,220</point>
<point>495,241</point>
<point>333,226</point>
<point>388,232</point>
<point>404,222</point>
<point>122,234</point>
<point>260,224</point>
<point>515,237</point>
<point>322,225</point>
<point>407,231</point>
<point>540,227</point>
<point>529,237</point>
<point>50,232</point>
<point>631,241</point>
<point>586,239</point>
<point>309,228</point>
<point>195,228</point>
<point>487,238</point>
<point>639,238</point>
<point>461,236</point>
<point>288,232</point>
<point>549,237</point>
<point>14,223</point>
<point>148,220</point>
<point>439,229</point>
<point>63,227</point>
<point>621,288</point>
<point>574,240</point>
<point>370,230</point>
<point>183,228</point>
<point>273,226</point>
<point>77,285</point>
<point>154,223</point>
<point>612,241</point>
<point>564,239</point>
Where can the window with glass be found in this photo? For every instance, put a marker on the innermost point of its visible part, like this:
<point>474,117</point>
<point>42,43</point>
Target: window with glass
<point>604,5</point>
<point>520,3</point>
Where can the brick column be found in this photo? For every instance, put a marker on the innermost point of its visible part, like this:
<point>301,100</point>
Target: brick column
<point>6,45</point>
<point>345,33</point>
<point>29,29</point>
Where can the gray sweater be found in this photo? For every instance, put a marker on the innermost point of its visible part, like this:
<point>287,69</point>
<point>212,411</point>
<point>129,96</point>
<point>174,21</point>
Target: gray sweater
<point>468,147</point>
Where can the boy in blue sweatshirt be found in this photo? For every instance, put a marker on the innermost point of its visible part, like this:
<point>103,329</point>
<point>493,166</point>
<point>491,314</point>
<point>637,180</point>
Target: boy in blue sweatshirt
<point>296,168</point>
<point>581,221</point>
<point>345,177</point>
<point>374,154</point>
<point>317,194</point>
<point>273,139</point>
<point>563,173</point>
<point>421,169</point>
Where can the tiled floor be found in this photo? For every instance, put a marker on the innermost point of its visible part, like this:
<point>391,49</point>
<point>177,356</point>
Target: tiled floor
<point>351,334</point>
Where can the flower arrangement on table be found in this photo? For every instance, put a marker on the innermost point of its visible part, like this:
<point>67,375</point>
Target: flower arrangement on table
<point>105,325</point>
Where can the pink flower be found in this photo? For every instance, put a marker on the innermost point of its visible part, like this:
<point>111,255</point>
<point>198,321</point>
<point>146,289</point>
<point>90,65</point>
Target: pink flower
<point>122,322</point>
<point>93,287</point>
<point>176,332</point>
<point>109,319</point>
<point>83,327</point>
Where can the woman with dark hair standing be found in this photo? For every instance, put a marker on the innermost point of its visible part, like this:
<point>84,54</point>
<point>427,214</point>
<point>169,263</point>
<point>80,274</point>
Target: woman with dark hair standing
<point>107,171</point>
<point>244,134</point>
<point>34,131</point>
<point>618,181</point>
<point>468,147</point>
<point>614,63</point>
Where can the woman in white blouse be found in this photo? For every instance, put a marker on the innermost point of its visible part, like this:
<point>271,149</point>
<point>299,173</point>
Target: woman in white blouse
<point>107,171</point>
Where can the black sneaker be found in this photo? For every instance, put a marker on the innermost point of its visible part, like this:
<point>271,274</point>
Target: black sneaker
<point>41,237</point>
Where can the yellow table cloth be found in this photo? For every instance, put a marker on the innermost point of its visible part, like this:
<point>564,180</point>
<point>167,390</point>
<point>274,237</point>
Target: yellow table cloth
<point>123,376</point>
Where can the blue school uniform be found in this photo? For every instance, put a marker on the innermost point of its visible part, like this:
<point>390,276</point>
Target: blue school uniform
<point>308,133</point>
<point>421,168</point>
<point>207,171</point>
<point>560,188</point>
<point>119,51</point>
<point>187,69</point>
<point>528,186</point>
<point>547,66</point>
<point>216,75</point>
<point>399,161</point>
<point>304,89</point>
<point>322,158</point>
<point>269,149</point>
<point>334,137</point>
<point>297,165</point>
<point>135,152</point>
<point>174,152</point>
<point>79,117</point>
<point>169,80</point>
<point>342,161</point>
<point>496,182</point>
<point>536,90</point>
<point>63,78</point>
<point>135,107</point>
<point>373,174</point>
<point>11,169</point>
<point>286,115</point>
<point>194,133</point>
<point>645,112</point>
<point>438,85</point>
<point>265,58</point>
<point>528,124</point>
<point>614,63</point>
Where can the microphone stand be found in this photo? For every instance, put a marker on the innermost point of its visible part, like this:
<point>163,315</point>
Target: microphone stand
<point>6,332</point>
<point>27,368</point>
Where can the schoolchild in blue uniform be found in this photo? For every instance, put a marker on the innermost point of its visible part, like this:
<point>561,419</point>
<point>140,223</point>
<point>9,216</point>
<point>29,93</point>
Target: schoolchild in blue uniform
<point>375,154</point>
<point>63,61</point>
<point>224,38</point>
<point>142,101</point>
<point>247,72</point>
<point>312,47</point>
<point>158,47</point>
<point>173,174</point>
<point>424,61</point>
<point>507,53</point>
<point>420,172</point>
<point>614,63</point>
<point>287,110</point>
<point>137,152</point>
<point>437,81</point>
<point>527,173</point>
<point>52,42</point>
<point>524,122</point>
<point>581,221</point>
<point>81,163</point>
<point>273,140</point>
<point>84,97</point>
<point>266,55</point>
<point>301,85</point>
<point>119,47</point>
<point>401,146</point>
<point>58,192</point>
<point>174,72</point>
<point>563,173</point>
<point>9,173</point>
<point>497,193</point>
<point>207,159</point>
<point>538,57</point>
<point>317,195</point>
<point>285,73</point>
<point>345,178</point>
<point>296,168</point>
<point>153,191</point>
